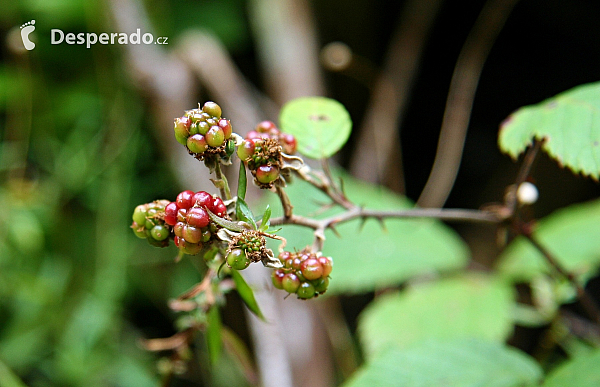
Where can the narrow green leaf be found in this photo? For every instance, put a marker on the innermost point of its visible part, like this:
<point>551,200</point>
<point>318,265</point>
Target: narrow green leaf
<point>571,234</point>
<point>321,125</point>
<point>244,213</point>
<point>582,371</point>
<point>463,363</point>
<point>233,226</point>
<point>567,122</point>
<point>474,305</point>
<point>264,225</point>
<point>213,335</point>
<point>246,293</point>
<point>242,182</point>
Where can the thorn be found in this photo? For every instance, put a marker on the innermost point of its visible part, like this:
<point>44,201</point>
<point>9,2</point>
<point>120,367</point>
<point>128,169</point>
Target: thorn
<point>332,228</point>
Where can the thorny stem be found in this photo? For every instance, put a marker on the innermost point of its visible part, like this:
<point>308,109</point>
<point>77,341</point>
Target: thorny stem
<point>585,299</point>
<point>285,202</point>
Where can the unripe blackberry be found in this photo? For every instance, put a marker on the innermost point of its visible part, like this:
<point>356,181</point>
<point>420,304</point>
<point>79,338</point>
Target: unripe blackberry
<point>197,143</point>
<point>306,290</point>
<point>171,213</point>
<point>226,126</point>
<point>327,265</point>
<point>266,174</point>
<point>148,223</point>
<point>321,285</point>
<point>237,259</point>
<point>246,149</point>
<point>197,217</point>
<point>184,199</point>
<point>215,136</point>
<point>182,129</point>
<point>159,232</point>
<point>212,108</point>
<point>277,278</point>
<point>311,269</point>
<point>290,282</point>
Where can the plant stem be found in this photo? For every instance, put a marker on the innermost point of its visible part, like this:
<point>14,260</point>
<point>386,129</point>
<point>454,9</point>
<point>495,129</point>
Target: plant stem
<point>285,202</point>
<point>587,302</point>
<point>225,192</point>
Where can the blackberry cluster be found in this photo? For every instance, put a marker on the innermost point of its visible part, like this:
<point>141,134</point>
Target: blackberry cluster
<point>149,223</point>
<point>204,132</point>
<point>261,151</point>
<point>305,274</point>
<point>247,247</point>
<point>191,223</point>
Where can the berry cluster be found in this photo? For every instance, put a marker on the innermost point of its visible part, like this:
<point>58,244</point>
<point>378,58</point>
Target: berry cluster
<point>204,132</point>
<point>305,273</point>
<point>149,223</point>
<point>190,220</point>
<point>261,151</point>
<point>247,247</point>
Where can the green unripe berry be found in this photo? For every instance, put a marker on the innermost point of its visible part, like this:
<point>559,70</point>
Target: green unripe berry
<point>138,230</point>
<point>237,259</point>
<point>139,214</point>
<point>182,127</point>
<point>194,129</point>
<point>192,234</point>
<point>159,232</point>
<point>246,149</point>
<point>197,143</point>
<point>321,284</point>
<point>306,290</point>
<point>203,128</point>
<point>215,136</point>
<point>149,224</point>
<point>212,108</point>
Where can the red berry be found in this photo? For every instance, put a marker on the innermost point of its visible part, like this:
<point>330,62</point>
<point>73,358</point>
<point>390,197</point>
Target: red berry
<point>266,127</point>
<point>197,143</point>
<point>219,207</point>
<point>289,143</point>
<point>197,217</point>
<point>203,199</point>
<point>290,282</point>
<point>283,256</point>
<point>184,199</point>
<point>311,269</point>
<point>267,173</point>
<point>186,247</point>
<point>215,136</point>
<point>246,149</point>
<point>277,277</point>
<point>171,213</point>
<point>226,126</point>
<point>296,262</point>
<point>327,264</point>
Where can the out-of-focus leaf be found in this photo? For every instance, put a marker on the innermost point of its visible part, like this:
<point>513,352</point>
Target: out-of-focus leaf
<point>567,122</point>
<point>213,335</point>
<point>8,378</point>
<point>582,371</point>
<point>321,125</point>
<point>467,306</point>
<point>464,363</point>
<point>571,234</point>
<point>246,293</point>
<point>371,256</point>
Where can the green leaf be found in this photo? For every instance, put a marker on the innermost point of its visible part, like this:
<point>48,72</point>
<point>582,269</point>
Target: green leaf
<point>368,257</point>
<point>246,293</point>
<point>464,363</point>
<point>242,182</point>
<point>571,234</point>
<point>321,125</point>
<point>8,378</point>
<point>568,123</point>
<point>213,335</point>
<point>583,371</point>
<point>264,224</point>
<point>474,305</point>
<point>244,213</point>
<point>232,226</point>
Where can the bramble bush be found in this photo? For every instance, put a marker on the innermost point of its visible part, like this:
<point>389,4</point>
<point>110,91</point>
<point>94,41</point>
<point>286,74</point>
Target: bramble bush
<point>449,324</point>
